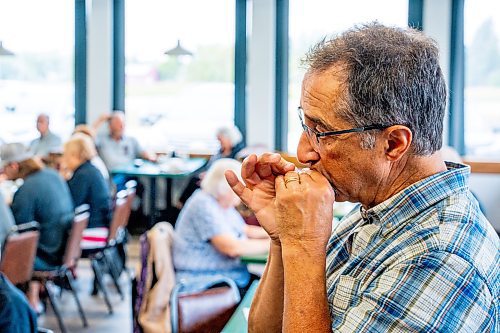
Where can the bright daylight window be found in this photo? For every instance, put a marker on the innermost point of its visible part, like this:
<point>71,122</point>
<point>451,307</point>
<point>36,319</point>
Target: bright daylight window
<point>179,102</point>
<point>482,78</point>
<point>313,19</point>
<point>38,77</point>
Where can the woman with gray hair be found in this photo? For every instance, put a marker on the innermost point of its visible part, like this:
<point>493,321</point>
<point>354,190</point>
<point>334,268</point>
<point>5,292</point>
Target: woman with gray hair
<point>231,143</point>
<point>210,234</point>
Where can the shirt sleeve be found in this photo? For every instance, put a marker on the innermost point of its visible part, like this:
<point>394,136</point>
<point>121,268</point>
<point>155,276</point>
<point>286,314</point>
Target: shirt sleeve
<point>433,293</point>
<point>5,213</point>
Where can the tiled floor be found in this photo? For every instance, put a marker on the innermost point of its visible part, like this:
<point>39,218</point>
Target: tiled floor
<point>97,313</point>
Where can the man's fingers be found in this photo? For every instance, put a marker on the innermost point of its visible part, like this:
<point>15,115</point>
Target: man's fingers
<point>273,163</point>
<point>279,184</point>
<point>305,175</point>
<point>241,191</point>
<point>316,176</point>
<point>292,179</point>
<point>248,170</point>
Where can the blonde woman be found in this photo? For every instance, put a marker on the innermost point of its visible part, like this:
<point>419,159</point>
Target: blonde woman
<point>96,160</point>
<point>87,186</point>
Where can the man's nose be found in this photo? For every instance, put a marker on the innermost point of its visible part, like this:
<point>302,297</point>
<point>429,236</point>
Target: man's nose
<point>305,151</point>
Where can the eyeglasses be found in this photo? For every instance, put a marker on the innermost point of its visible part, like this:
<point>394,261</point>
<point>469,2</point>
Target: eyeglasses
<point>312,132</point>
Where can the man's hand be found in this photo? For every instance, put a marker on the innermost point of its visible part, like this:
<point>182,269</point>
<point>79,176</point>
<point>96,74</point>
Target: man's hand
<point>258,193</point>
<point>304,208</point>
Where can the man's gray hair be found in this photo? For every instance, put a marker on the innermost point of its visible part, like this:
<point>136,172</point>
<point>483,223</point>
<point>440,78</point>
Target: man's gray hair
<point>392,77</point>
<point>118,114</point>
<point>43,115</point>
<point>214,182</point>
<point>232,133</point>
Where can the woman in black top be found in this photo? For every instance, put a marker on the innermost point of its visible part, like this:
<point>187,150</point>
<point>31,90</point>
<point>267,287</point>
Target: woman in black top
<point>231,143</point>
<point>87,186</point>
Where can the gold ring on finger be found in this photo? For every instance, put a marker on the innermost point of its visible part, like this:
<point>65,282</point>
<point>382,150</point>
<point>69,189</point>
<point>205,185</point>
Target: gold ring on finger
<point>292,179</point>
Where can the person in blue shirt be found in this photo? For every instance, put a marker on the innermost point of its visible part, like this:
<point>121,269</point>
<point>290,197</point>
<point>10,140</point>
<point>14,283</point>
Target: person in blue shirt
<point>6,220</point>
<point>210,234</point>
<point>43,197</point>
<point>16,316</point>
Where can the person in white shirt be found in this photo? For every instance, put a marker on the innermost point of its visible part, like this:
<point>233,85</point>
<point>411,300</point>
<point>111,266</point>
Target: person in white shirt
<point>47,142</point>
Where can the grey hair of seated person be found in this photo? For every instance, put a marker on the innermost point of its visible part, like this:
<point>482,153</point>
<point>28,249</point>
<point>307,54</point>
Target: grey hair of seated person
<point>118,114</point>
<point>232,133</point>
<point>214,182</point>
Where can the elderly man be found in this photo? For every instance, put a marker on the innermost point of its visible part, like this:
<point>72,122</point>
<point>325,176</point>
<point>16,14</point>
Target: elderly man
<point>47,142</point>
<point>418,254</point>
<point>115,148</point>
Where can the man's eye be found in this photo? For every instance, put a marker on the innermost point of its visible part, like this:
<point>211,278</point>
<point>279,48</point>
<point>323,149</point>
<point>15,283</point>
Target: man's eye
<point>320,128</point>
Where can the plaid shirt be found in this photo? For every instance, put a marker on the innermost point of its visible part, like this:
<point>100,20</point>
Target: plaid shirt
<point>424,260</point>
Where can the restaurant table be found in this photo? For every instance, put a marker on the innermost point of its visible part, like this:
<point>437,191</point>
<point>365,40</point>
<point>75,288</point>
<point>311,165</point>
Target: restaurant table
<point>238,323</point>
<point>254,259</point>
<point>170,169</point>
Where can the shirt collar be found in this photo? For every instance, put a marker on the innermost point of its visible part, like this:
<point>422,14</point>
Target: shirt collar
<point>414,199</point>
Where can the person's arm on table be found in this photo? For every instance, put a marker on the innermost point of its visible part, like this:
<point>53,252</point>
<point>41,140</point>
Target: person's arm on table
<point>259,174</point>
<point>232,247</point>
<point>149,156</point>
<point>304,212</point>
<point>256,232</point>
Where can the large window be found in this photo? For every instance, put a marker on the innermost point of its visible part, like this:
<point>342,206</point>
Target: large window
<point>179,102</point>
<point>482,78</point>
<point>312,20</point>
<point>38,78</point>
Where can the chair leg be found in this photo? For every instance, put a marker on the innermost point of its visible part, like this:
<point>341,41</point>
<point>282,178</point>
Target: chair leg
<point>100,282</point>
<point>95,289</point>
<point>71,282</point>
<point>55,307</point>
<point>113,271</point>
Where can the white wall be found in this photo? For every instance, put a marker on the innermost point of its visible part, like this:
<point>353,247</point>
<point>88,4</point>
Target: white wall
<point>99,58</point>
<point>437,24</point>
<point>486,187</point>
<point>260,115</point>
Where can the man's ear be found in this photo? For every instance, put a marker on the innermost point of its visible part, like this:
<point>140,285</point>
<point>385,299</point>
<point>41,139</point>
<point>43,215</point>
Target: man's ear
<point>398,140</point>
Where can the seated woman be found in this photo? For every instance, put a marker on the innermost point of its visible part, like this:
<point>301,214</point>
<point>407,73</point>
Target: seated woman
<point>96,159</point>
<point>44,197</point>
<point>210,234</point>
<point>231,143</point>
<point>87,186</point>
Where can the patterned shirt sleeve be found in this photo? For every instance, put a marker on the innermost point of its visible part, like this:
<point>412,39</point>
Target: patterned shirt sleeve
<point>436,292</point>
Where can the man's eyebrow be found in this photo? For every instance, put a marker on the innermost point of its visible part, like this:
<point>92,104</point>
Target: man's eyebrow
<point>320,122</point>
